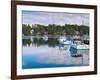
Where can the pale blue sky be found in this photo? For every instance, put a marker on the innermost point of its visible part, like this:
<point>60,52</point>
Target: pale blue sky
<point>59,18</point>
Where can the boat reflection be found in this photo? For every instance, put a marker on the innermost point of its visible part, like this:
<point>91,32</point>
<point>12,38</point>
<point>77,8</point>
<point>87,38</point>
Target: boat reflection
<point>41,52</point>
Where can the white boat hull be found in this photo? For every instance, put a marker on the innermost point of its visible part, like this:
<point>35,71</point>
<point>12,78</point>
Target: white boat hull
<point>80,47</point>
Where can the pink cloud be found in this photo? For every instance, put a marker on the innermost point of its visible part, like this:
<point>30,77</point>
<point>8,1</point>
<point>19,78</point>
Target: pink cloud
<point>40,18</point>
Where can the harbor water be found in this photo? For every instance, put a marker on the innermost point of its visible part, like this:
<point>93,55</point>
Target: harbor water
<point>44,52</point>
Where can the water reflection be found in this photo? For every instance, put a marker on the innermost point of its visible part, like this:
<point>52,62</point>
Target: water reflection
<point>40,52</point>
<point>51,42</point>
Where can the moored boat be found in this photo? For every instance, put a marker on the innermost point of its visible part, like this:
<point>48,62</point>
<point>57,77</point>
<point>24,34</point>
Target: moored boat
<point>86,42</point>
<point>77,44</point>
<point>45,37</point>
<point>64,40</point>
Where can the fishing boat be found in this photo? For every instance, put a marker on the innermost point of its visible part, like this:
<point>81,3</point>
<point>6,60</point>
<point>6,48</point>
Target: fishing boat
<point>64,40</point>
<point>64,43</point>
<point>77,44</point>
<point>45,37</point>
<point>86,41</point>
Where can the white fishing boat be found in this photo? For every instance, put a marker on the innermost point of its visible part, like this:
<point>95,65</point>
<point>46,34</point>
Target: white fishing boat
<point>45,37</point>
<point>64,40</point>
<point>77,44</point>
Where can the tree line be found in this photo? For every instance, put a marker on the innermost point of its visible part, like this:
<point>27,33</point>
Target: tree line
<point>53,29</point>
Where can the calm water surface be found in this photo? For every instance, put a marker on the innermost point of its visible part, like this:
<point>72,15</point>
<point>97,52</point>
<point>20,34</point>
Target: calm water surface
<point>48,52</point>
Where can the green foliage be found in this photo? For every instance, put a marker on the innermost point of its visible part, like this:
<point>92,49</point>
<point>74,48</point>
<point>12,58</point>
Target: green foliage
<point>26,29</point>
<point>53,29</point>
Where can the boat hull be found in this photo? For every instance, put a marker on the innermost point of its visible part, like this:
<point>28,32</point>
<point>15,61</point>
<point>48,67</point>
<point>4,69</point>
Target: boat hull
<point>80,47</point>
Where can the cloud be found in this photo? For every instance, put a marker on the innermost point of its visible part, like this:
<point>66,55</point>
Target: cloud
<point>60,18</point>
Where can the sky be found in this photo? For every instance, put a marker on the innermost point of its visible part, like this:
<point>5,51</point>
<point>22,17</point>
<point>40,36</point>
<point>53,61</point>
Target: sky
<point>58,18</point>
